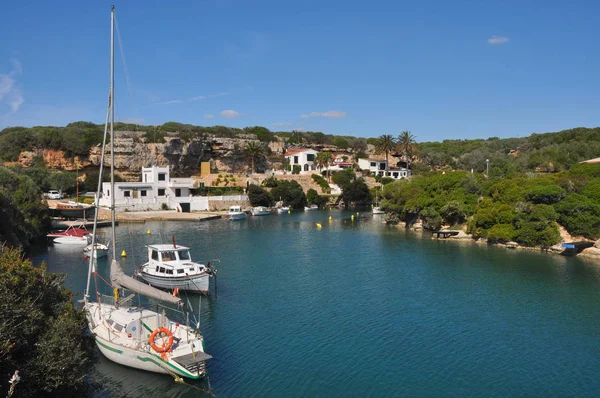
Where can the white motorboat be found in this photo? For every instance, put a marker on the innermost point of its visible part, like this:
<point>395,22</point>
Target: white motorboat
<point>171,267</point>
<point>236,213</point>
<point>283,210</point>
<point>260,211</point>
<point>71,236</point>
<point>124,331</point>
<point>311,208</point>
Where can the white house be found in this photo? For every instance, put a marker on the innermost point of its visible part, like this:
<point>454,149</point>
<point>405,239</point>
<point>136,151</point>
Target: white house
<point>306,158</point>
<point>377,167</point>
<point>155,189</point>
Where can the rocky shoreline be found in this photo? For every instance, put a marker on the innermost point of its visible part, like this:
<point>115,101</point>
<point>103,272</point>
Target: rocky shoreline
<point>592,253</point>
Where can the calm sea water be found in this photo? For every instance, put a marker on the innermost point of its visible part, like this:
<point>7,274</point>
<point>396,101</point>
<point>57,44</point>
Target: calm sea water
<point>362,309</point>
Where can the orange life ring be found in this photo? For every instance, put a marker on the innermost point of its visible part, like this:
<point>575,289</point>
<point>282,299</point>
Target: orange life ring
<point>164,348</point>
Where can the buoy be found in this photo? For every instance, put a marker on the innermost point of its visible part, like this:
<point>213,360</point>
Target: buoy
<point>319,225</point>
<point>289,212</point>
<point>148,232</point>
<point>357,213</point>
<point>86,257</point>
<point>352,217</point>
<point>123,254</point>
<point>130,232</point>
<point>330,218</point>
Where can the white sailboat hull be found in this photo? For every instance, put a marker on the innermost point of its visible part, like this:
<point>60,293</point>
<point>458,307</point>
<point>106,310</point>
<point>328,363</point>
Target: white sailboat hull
<point>134,351</point>
<point>71,240</point>
<point>196,284</point>
<point>100,250</point>
<point>377,210</point>
<point>283,210</point>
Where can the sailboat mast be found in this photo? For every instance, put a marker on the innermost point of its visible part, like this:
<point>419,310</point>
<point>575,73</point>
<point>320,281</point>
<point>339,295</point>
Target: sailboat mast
<point>112,133</point>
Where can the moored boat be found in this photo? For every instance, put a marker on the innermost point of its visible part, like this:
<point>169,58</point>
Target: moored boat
<point>283,210</point>
<point>171,266</point>
<point>71,236</point>
<point>260,211</point>
<point>311,208</point>
<point>236,213</point>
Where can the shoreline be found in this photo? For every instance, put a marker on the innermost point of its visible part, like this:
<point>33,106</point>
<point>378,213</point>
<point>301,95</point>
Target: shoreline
<point>591,253</point>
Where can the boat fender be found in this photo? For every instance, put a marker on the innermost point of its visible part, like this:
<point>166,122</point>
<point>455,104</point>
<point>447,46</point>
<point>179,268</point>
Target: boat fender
<point>165,347</point>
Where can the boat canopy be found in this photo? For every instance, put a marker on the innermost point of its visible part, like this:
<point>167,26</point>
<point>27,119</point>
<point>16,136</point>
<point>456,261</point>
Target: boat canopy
<point>120,279</point>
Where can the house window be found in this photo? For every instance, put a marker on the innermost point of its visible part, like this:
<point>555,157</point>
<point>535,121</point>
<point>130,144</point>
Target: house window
<point>127,194</point>
<point>178,192</point>
<point>108,192</point>
<point>295,159</point>
<point>373,164</point>
<point>143,193</point>
<point>305,166</point>
<point>161,192</point>
<point>381,166</point>
<point>162,176</point>
<point>310,157</point>
<point>395,174</point>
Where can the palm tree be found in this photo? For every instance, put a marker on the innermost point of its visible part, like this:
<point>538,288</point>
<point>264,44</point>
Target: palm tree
<point>255,151</point>
<point>323,160</point>
<point>385,144</point>
<point>407,146</point>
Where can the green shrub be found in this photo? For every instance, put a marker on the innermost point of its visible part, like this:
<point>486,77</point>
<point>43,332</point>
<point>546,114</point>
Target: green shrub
<point>386,180</point>
<point>579,215</point>
<point>432,220</point>
<point>547,194</point>
<point>270,182</point>
<point>312,197</point>
<point>501,233</point>
<point>164,206</point>
<point>322,183</point>
<point>296,169</point>
<point>258,196</point>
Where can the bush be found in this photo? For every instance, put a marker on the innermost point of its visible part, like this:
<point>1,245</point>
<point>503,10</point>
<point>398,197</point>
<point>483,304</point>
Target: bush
<point>296,169</point>
<point>386,180</point>
<point>270,182</point>
<point>501,233</point>
<point>312,197</point>
<point>322,183</point>
<point>259,196</point>
<point>432,220</point>
<point>291,194</point>
<point>579,215</point>
<point>164,206</point>
<point>547,194</point>
<point>42,334</point>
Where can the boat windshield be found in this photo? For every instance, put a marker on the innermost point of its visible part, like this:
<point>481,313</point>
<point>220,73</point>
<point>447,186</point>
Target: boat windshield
<point>184,255</point>
<point>168,256</point>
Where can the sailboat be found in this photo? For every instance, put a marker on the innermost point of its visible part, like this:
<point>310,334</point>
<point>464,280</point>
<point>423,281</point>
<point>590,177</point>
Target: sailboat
<point>132,335</point>
<point>377,208</point>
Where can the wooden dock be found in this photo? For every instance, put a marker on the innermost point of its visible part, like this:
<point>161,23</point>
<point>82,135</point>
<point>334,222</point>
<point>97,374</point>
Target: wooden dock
<point>576,247</point>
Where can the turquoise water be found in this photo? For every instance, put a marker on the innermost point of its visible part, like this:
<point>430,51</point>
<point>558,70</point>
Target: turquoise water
<point>362,309</point>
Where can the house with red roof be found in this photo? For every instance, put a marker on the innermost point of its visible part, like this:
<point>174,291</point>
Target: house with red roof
<point>306,158</point>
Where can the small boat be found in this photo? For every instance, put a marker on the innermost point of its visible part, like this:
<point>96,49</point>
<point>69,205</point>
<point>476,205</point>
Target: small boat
<point>72,209</point>
<point>171,266</point>
<point>236,213</point>
<point>71,236</point>
<point>311,208</point>
<point>260,211</point>
<point>377,207</point>
<point>283,210</point>
<point>100,250</point>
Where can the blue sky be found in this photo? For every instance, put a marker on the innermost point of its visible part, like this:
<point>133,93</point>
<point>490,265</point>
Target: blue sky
<point>441,69</point>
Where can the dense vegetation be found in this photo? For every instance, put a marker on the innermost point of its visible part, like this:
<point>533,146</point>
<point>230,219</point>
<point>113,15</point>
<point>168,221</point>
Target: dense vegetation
<point>41,333</point>
<point>289,192</point>
<point>23,216</point>
<point>354,190</point>
<point>523,208</point>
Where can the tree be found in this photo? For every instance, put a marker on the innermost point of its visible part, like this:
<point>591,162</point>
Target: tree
<point>291,193</point>
<point>385,144</point>
<point>259,196</point>
<point>323,160</point>
<point>312,197</point>
<point>407,146</point>
<point>41,334</point>
<point>255,152</point>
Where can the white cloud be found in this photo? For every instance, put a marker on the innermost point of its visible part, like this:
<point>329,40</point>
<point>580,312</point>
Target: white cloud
<point>209,116</point>
<point>498,40</point>
<point>229,114</point>
<point>281,124</point>
<point>132,120</point>
<point>10,93</point>
<point>334,114</point>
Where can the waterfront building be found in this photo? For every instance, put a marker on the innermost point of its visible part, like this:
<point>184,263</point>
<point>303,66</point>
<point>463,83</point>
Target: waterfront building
<point>377,167</point>
<point>306,158</point>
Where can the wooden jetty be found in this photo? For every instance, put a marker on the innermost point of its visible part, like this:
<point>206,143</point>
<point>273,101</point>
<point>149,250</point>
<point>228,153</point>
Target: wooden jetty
<point>445,233</point>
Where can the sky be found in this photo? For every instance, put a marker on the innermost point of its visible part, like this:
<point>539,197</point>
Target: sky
<point>440,69</point>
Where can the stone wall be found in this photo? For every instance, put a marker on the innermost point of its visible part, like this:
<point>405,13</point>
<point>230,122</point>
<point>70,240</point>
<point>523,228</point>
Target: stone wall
<point>217,205</point>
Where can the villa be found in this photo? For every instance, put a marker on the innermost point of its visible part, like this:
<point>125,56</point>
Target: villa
<point>377,167</point>
<point>157,190</point>
<point>303,157</point>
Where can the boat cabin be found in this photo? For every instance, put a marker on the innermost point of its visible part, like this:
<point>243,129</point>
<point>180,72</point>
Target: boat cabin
<point>235,209</point>
<point>171,261</point>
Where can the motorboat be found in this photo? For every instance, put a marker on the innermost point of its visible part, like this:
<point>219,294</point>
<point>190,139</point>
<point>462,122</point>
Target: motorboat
<point>236,213</point>
<point>311,208</point>
<point>171,267</point>
<point>260,211</point>
<point>377,210</point>
<point>71,236</point>
<point>283,210</point>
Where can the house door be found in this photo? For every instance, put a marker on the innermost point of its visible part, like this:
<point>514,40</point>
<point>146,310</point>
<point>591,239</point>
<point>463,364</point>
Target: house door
<point>185,207</point>
<point>178,192</point>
